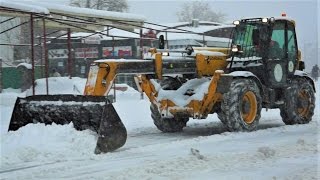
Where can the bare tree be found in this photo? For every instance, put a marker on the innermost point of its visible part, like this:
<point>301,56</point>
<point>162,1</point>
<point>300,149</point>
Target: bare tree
<point>199,10</point>
<point>108,5</point>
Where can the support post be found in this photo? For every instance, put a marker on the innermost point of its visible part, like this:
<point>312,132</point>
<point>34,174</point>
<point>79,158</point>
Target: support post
<point>203,40</point>
<point>32,52</point>
<point>1,75</point>
<point>46,63</point>
<point>41,56</point>
<point>141,44</point>
<point>167,42</point>
<point>114,89</point>
<point>113,54</point>
<point>69,54</point>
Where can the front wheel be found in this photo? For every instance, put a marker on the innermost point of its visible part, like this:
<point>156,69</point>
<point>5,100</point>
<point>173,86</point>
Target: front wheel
<point>241,106</point>
<point>299,103</point>
<point>175,124</point>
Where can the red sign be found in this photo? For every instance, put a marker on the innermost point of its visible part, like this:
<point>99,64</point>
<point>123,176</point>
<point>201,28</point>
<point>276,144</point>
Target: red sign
<point>119,51</point>
<point>86,52</point>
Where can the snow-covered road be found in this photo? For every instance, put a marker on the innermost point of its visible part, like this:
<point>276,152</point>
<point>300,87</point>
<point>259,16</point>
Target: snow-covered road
<point>205,150</point>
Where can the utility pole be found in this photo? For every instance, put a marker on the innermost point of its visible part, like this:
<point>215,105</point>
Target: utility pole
<point>88,4</point>
<point>0,75</point>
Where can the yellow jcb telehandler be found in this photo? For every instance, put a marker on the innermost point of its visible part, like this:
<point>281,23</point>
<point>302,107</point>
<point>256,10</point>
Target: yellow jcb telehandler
<point>261,69</point>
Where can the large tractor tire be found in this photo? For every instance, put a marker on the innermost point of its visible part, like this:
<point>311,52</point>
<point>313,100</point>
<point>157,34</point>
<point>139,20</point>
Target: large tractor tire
<point>175,124</point>
<point>168,125</point>
<point>299,103</point>
<point>241,106</point>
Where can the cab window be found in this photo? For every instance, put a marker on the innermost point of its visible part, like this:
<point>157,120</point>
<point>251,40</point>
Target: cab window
<point>292,46</point>
<point>277,42</point>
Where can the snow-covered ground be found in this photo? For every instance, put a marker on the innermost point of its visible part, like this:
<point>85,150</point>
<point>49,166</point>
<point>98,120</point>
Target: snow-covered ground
<point>205,150</point>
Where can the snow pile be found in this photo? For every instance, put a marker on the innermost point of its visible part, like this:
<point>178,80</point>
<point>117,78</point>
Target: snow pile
<point>8,97</point>
<point>38,142</point>
<point>75,85</point>
<point>59,85</point>
<point>26,65</point>
<point>34,142</point>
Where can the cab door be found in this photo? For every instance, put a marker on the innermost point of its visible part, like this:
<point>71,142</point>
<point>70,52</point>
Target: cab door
<point>277,56</point>
<point>292,49</point>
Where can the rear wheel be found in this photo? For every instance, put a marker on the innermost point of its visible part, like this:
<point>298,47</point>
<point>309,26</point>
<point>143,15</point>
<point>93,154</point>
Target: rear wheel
<point>241,106</point>
<point>299,103</point>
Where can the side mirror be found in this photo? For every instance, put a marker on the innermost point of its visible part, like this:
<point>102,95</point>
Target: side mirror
<point>255,37</point>
<point>301,65</point>
<point>161,42</point>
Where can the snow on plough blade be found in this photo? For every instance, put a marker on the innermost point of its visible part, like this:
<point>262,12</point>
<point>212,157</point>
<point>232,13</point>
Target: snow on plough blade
<point>85,112</point>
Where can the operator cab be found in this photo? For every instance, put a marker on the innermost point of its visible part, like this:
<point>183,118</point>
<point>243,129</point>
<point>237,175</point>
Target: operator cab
<point>267,47</point>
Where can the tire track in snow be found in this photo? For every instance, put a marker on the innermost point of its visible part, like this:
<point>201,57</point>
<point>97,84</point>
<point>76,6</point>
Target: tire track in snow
<point>145,137</point>
<point>7,170</point>
<point>284,151</point>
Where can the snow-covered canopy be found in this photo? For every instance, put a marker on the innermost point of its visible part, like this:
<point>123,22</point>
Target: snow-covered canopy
<point>176,39</point>
<point>112,32</point>
<point>202,29</point>
<point>181,36</point>
<point>92,13</point>
<point>203,26</point>
<point>126,20</point>
<point>189,24</point>
<point>22,6</point>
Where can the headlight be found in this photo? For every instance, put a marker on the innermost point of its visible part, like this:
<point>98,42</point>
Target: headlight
<point>264,20</point>
<point>234,48</point>
<point>236,22</point>
<point>165,54</point>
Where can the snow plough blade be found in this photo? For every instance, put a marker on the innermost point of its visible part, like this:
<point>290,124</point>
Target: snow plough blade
<point>112,133</point>
<point>85,112</point>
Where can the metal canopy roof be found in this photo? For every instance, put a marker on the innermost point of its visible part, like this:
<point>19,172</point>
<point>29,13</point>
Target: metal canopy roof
<point>61,16</point>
